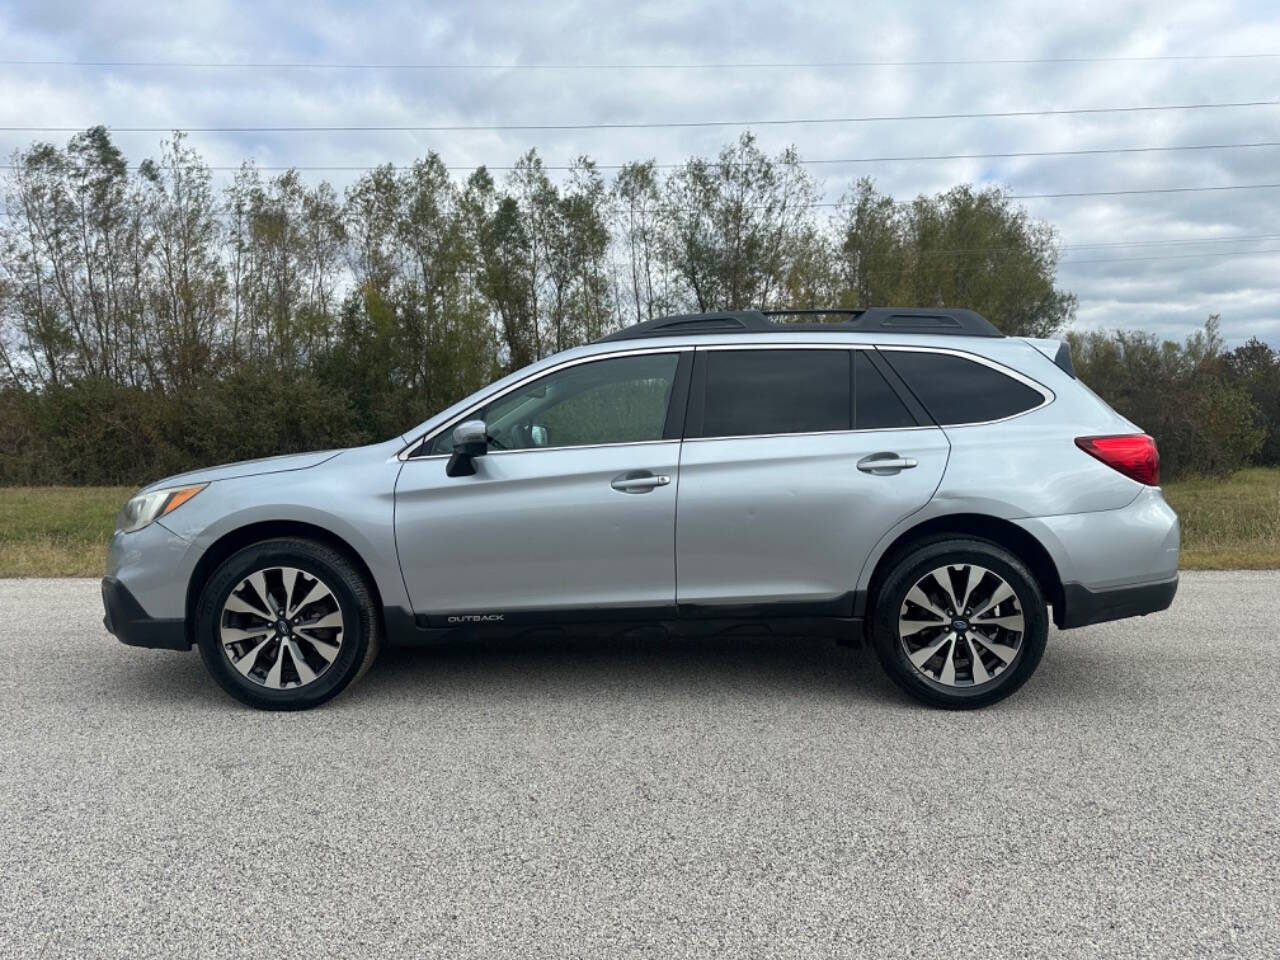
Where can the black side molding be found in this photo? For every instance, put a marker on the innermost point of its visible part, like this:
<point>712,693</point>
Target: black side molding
<point>839,618</point>
<point>130,623</point>
<point>542,618</point>
<point>1082,606</point>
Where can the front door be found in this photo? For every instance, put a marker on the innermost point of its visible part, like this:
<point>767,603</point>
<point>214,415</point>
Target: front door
<point>571,509</point>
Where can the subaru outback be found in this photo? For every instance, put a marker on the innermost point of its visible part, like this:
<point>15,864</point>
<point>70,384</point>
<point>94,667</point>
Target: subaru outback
<point>908,478</point>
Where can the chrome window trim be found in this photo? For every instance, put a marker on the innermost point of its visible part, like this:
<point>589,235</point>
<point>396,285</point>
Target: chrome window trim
<point>810,433</point>
<point>581,446</point>
<point>404,455</point>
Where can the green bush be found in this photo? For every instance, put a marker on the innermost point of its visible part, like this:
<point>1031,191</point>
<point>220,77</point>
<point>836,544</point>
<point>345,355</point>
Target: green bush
<point>1202,417</point>
<point>96,432</point>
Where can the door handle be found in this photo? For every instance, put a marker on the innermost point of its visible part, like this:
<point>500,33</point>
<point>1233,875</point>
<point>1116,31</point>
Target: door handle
<point>639,482</point>
<point>884,464</point>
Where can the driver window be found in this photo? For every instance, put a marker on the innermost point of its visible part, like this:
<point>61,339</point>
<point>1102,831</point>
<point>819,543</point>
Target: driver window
<point>619,400</point>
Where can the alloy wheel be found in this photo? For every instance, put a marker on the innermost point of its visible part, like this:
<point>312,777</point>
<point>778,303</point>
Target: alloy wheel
<point>281,627</point>
<point>961,625</point>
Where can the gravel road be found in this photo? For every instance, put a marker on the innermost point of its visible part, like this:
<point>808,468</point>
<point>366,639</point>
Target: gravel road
<point>733,797</point>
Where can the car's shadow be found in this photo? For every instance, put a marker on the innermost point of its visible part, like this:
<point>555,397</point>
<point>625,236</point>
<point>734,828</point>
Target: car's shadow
<point>627,667</point>
<point>551,665</point>
<point>649,664</point>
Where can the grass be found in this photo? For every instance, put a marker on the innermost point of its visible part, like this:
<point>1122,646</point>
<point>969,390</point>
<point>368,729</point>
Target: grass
<point>1231,524</point>
<point>57,531</point>
<point>62,531</point>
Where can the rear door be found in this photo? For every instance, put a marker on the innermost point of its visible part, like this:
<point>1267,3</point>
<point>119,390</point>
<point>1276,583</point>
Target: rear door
<point>796,461</point>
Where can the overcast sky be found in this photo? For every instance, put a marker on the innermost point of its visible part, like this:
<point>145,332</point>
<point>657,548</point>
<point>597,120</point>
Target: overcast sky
<point>1171,295</point>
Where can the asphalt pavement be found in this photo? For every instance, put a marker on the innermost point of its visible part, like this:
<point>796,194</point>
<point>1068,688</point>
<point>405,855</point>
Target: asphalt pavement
<point>626,798</point>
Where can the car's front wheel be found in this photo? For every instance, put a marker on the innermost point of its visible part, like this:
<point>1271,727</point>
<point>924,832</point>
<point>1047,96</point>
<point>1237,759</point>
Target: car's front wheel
<point>959,623</point>
<point>287,624</point>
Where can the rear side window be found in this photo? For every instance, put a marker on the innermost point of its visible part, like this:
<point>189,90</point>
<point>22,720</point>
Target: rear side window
<point>955,390</point>
<point>876,406</point>
<point>753,392</point>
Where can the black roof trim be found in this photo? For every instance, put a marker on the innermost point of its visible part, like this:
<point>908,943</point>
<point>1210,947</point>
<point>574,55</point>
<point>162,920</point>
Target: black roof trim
<point>945,321</point>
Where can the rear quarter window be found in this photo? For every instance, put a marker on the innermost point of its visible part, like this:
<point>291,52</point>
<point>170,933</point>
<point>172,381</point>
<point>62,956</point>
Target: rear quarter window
<point>956,391</point>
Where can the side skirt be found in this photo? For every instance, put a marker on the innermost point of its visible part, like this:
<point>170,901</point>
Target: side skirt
<point>832,619</point>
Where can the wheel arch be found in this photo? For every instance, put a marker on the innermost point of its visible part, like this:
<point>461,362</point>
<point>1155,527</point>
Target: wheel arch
<point>252,533</point>
<point>1001,532</point>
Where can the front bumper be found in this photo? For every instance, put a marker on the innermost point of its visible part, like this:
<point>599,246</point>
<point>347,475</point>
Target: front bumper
<point>1082,606</point>
<point>130,623</point>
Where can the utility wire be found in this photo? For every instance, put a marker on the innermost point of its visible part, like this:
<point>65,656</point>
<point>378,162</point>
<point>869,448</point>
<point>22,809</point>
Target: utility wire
<point>1071,260</point>
<point>653,125</point>
<point>1100,193</point>
<point>1245,238</point>
<point>1173,256</point>
<point>750,65</point>
<point>1164,243</point>
<point>1103,260</point>
<point>716,163</point>
<point>948,251</point>
<point>898,272</point>
<point>1125,193</point>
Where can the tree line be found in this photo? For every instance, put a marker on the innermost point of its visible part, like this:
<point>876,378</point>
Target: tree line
<point>151,321</point>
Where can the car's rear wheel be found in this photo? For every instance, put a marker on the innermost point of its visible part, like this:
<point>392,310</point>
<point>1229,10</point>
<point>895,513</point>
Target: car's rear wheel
<point>959,623</point>
<point>287,624</point>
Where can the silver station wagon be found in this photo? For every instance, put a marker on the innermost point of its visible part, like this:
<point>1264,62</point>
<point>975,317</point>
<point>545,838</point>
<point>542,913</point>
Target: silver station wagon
<point>907,478</point>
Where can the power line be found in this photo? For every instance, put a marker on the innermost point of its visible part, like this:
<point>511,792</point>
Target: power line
<point>1117,243</point>
<point>1071,260</point>
<point>940,251</point>
<point>1125,193</point>
<point>750,65</point>
<point>897,272</point>
<point>1163,243</point>
<point>1101,193</point>
<point>715,163</point>
<point>653,125</point>
<point>1173,256</point>
<point>1041,153</point>
<point>1244,238</point>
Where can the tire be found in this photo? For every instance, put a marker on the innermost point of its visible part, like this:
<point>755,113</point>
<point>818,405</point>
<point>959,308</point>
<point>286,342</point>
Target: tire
<point>973,668</point>
<point>332,637</point>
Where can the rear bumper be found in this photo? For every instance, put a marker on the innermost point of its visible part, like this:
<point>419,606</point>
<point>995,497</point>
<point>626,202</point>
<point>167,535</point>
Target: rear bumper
<point>130,623</point>
<point>1082,606</point>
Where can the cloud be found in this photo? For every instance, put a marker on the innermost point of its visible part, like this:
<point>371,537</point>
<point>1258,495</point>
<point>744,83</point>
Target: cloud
<point>1171,296</point>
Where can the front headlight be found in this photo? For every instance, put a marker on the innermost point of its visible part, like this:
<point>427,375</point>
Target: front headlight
<point>145,507</point>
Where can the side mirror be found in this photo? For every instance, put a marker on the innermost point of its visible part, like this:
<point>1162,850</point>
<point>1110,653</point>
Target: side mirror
<point>470,440</point>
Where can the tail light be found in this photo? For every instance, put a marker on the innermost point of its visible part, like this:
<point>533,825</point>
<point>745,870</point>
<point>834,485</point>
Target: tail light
<point>1133,454</point>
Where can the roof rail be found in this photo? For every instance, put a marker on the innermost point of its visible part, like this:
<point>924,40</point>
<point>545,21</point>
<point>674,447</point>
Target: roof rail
<point>945,321</point>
